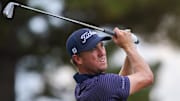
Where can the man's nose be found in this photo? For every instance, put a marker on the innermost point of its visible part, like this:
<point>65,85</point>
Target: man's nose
<point>101,51</point>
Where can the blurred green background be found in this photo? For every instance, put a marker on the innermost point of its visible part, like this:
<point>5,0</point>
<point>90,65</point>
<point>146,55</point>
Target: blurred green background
<point>34,65</point>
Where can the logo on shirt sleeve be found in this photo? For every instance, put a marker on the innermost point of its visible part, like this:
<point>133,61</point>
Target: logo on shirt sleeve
<point>123,82</point>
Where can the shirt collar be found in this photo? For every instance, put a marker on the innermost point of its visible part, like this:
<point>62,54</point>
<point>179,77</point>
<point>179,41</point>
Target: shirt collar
<point>79,78</point>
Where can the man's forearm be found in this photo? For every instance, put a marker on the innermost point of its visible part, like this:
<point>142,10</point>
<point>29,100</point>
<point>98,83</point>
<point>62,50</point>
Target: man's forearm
<point>126,68</point>
<point>136,61</point>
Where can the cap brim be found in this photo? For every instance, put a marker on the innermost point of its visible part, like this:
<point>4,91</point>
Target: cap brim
<point>105,38</point>
<point>95,42</point>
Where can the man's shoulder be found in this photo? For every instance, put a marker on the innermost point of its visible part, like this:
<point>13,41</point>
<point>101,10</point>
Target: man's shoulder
<point>110,79</point>
<point>111,75</point>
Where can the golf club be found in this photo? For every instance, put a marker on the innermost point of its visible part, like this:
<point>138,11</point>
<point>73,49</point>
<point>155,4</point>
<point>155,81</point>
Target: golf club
<point>9,12</point>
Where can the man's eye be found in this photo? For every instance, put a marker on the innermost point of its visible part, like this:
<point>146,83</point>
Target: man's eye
<point>102,44</point>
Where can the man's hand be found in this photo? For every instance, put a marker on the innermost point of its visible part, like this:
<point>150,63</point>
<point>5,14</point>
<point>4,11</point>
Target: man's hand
<point>123,39</point>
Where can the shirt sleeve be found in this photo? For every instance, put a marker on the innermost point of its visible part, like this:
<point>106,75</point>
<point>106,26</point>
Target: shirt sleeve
<point>115,85</point>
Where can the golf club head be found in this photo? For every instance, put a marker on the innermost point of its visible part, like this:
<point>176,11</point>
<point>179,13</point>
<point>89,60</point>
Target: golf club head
<point>9,9</point>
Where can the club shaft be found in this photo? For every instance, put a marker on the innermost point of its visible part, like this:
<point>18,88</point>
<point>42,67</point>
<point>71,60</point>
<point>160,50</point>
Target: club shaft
<point>110,32</point>
<point>64,18</point>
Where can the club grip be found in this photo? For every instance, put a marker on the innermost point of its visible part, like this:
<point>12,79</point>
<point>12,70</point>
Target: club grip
<point>134,37</point>
<point>110,32</point>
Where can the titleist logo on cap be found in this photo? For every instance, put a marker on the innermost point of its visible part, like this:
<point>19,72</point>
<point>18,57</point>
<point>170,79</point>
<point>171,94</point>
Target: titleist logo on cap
<point>86,36</point>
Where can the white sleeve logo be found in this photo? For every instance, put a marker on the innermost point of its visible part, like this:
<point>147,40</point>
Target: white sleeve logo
<point>123,83</point>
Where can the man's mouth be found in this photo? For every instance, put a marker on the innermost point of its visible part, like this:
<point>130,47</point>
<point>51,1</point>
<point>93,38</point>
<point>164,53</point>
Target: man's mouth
<point>102,60</point>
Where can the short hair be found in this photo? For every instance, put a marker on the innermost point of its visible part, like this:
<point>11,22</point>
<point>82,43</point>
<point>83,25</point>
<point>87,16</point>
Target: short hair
<point>73,62</point>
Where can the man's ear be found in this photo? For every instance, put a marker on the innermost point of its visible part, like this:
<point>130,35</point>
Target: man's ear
<point>77,59</point>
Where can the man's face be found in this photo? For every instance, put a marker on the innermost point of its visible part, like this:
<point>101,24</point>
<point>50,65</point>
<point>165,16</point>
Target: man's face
<point>94,61</point>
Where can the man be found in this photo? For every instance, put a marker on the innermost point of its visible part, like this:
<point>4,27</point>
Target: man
<point>89,56</point>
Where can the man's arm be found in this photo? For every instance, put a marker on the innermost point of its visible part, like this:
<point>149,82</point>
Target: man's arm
<point>126,69</point>
<point>142,75</point>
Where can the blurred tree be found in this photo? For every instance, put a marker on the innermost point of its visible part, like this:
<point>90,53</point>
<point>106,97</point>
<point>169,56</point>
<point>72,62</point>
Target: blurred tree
<point>143,16</point>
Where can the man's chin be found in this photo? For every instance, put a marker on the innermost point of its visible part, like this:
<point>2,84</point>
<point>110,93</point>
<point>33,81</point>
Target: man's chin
<point>103,69</point>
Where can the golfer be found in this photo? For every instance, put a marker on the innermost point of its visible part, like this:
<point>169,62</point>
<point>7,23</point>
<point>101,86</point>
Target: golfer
<point>88,54</point>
